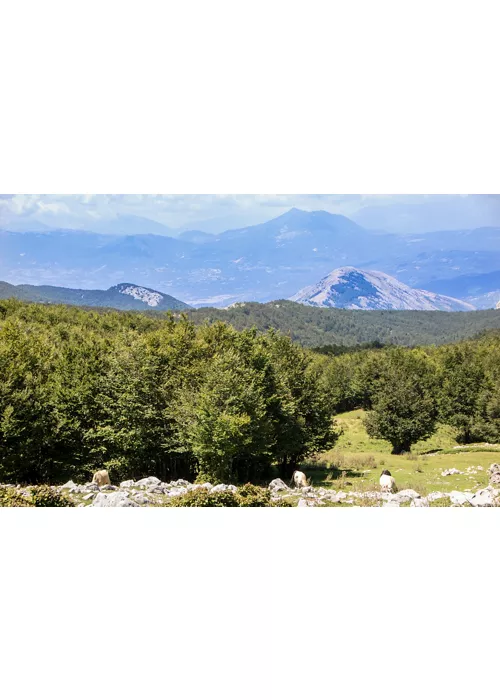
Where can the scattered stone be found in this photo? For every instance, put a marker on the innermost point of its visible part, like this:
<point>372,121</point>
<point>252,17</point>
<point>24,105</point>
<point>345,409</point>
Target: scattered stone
<point>436,496</point>
<point>278,485</point>
<point>408,493</point>
<point>303,503</point>
<point>89,497</point>
<point>459,499</point>
<point>69,485</point>
<point>146,483</point>
<point>420,503</point>
<point>141,499</point>
<point>221,488</point>
<point>180,483</point>
<point>451,472</point>
<point>483,498</point>
<point>118,499</point>
<point>127,484</point>
<point>494,472</point>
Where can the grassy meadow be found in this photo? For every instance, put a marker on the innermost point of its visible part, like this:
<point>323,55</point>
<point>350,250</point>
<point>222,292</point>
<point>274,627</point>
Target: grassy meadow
<point>356,462</point>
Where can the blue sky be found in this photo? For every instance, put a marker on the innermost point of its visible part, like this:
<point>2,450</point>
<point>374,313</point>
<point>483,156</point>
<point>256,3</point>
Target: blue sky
<point>218,212</point>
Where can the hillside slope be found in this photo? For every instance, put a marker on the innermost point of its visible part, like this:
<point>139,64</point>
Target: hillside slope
<point>125,297</point>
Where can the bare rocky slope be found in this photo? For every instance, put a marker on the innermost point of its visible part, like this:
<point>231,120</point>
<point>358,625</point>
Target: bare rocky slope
<point>351,288</point>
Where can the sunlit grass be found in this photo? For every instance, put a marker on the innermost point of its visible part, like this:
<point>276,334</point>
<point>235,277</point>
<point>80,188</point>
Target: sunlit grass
<point>356,462</point>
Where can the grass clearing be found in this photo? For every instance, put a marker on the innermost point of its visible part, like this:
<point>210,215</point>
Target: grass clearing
<point>356,462</point>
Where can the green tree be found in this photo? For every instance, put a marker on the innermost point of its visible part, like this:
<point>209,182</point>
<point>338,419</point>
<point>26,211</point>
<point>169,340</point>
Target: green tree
<point>462,379</point>
<point>403,398</point>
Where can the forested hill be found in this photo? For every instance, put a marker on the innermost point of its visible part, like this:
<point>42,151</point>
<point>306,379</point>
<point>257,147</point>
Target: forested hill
<point>308,326</point>
<point>313,327</point>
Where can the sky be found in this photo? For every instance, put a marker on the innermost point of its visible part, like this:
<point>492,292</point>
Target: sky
<point>215,213</point>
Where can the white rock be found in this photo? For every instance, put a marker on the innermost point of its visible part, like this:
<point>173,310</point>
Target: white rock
<point>149,481</point>
<point>451,472</point>
<point>127,484</point>
<point>172,493</point>
<point>409,493</point>
<point>305,504</point>
<point>89,496</point>
<point>141,499</point>
<point>180,483</point>
<point>458,498</point>
<point>69,485</point>
<point>118,499</point>
<point>278,485</point>
<point>221,488</point>
<point>420,503</point>
<point>436,496</point>
<point>483,498</point>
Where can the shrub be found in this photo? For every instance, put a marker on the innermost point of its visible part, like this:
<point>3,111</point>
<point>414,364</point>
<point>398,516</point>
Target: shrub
<point>201,498</point>
<point>47,497</point>
<point>251,496</point>
<point>11,498</point>
<point>248,496</point>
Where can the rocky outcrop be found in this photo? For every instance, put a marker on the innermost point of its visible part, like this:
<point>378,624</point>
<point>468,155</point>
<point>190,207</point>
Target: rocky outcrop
<point>494,472</point>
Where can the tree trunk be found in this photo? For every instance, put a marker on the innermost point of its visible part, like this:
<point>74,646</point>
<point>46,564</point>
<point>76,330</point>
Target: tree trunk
<point>401,449</point>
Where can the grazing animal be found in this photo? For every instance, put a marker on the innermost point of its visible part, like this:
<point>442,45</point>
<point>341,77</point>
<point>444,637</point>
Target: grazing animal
<point>387,482</point>
<point>299,479</point>
<point>101,478</point>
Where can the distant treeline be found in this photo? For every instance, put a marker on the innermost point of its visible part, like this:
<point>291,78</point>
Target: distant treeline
<point>314,328</point>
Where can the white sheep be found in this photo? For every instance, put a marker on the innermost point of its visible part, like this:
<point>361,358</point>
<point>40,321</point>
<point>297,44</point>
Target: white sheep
<point>101,478</point>
<point>300,480</point>
<point>387,482</point>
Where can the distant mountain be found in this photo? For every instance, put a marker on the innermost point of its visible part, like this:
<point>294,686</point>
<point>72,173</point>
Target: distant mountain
<point>131,226</point>
<point>196,237</point>
<point>257,263</point>
<point>483,290</point>
<point>350,288</point>
<point>125,296</point>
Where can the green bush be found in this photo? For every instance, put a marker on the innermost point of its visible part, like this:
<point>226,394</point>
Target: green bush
<point>201,498</point>
<point>251,496</point>
<point>248,496</point>
<point>47,497</point>
<point>11,498</point>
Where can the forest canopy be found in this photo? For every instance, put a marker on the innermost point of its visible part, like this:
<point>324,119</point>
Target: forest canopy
<point>143,394</point>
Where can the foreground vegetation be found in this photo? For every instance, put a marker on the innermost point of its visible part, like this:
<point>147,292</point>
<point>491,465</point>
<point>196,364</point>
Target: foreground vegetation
<point>143,395</point>
<point>81,391</point>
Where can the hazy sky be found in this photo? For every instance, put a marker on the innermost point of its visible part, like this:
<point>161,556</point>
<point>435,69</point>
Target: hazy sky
<point>218,212</point>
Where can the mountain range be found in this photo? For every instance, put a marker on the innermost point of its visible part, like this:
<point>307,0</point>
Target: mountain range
<point>260,263</point>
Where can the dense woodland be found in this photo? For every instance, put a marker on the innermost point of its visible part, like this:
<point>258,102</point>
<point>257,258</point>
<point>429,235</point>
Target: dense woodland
<point>143,394</point>
<point>313,327</point>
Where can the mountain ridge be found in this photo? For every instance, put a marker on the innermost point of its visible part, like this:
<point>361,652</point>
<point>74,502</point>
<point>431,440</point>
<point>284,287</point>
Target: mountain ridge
<point>124,297</point>
<point>352,288</point>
